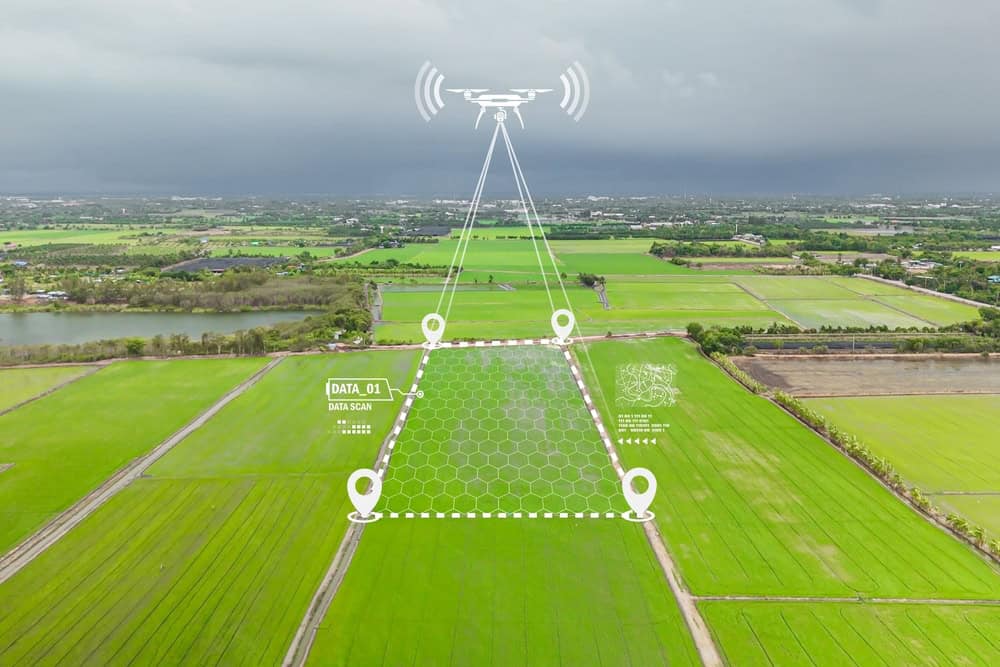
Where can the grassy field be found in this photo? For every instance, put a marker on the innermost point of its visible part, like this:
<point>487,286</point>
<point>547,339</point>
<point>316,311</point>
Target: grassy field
<point>869,287</point>
<point>814,302</point>
<point>478,313</point>
<point>834,634</point>
<point>639,303</point>
<point>613,257</point>
<point>489,312</point>
<point>214,556</point>
<point>66,444</point>
<point>797,287</point>
<point>752,503</point>
<point>514,259</point>
<point>816,313</point>
<point>938,443</point>
<point>645,293</point>
<point>499,256</point>
<point>66,235</point>
<point>502,429</point>
<point>681,295</point>
<point>980,255</point>
<point>938,311</point>
<point>980,510</point>
<point>495,592</point>
<point>20,384</point>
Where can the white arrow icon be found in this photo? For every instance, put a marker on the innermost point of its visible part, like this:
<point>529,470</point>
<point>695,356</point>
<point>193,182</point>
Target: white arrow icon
<point>364,503</point>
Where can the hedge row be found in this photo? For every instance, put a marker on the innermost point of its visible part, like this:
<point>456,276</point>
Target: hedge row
<point>738,373</point>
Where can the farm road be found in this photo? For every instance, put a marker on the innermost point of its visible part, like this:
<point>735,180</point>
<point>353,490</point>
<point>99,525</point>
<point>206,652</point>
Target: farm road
<point>29,549</point>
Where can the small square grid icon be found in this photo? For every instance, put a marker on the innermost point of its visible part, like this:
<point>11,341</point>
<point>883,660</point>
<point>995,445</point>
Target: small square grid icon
<point>348,427</point>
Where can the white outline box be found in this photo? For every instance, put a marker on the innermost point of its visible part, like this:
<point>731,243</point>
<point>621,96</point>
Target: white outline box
<point>384,382</point>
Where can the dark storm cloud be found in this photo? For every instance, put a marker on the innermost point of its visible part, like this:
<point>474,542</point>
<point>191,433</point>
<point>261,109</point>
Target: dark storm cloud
<point>707,96</point>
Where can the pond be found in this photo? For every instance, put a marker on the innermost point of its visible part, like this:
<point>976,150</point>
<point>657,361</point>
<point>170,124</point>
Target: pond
<point>68,328</point>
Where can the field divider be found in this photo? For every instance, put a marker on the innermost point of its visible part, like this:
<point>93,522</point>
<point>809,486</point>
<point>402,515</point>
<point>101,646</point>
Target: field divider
<point>34,545</point>
<point>874,298</point>
<point>305,635</point>
<point>847,600</point>
<point>707,650</point>
<point>31,399</point>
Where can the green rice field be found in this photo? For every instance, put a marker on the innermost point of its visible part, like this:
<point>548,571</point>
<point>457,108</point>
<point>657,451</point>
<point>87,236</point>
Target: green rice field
<point>214,555</point>
<point>502,430</point>
<point>941,444</point>
<point>503,592</point>
<point>70,235</point>
<point>668,303</point>
<point>751,503</point>
<point>834,634</point>
<point>103,421</point>
<point>20,384</point>
<point>980,255</point>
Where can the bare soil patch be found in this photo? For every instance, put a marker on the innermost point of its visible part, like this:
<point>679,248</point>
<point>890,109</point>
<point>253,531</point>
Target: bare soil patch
<point>865,376</point>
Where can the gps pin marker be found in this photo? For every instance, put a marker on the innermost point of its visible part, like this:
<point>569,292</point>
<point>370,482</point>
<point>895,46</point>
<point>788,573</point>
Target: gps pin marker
<point>639,502</point>
<point>364,503</point>
<point>434,335</point>
<point>562,331</point>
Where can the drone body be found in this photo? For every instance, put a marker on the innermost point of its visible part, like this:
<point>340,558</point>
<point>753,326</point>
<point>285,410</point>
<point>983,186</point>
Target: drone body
<point>499,101</point>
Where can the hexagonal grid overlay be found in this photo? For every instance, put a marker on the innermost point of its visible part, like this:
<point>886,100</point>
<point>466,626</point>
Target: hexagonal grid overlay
<point>500,430</point>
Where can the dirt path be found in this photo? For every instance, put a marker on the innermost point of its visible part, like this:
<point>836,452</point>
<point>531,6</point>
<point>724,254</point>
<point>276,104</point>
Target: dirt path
<point>962,493</point>
<point>90,371</point>
<point>30,548</point>
<point>769,305</point>
<point>855,600</point>
<point>602,295</point>
<point>302,643</point>
<point>703,641</point>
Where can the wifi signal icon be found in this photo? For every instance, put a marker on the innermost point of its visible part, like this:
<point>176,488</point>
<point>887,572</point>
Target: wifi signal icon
<point>576,91</point>
<point>427,91</point>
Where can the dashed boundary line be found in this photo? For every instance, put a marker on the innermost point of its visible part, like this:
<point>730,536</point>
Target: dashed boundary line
<point>305,635</point>
<point>503,515</point>
<point>707,650</point>
<point>500,343</point>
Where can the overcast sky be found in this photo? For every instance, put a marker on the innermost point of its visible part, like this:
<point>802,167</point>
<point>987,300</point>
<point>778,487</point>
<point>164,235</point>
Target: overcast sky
<point>693,96</point>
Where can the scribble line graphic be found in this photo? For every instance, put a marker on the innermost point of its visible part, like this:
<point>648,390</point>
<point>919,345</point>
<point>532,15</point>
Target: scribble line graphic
<point>645,385</point>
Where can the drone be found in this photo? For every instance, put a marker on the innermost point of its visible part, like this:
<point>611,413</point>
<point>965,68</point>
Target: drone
<point>499,101</point>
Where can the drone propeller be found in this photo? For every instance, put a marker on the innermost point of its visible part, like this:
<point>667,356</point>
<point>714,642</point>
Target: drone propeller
<point>531,90</point>
<point>467,90</point>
